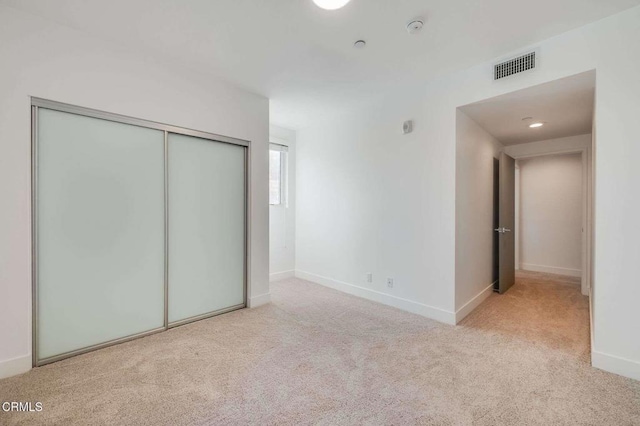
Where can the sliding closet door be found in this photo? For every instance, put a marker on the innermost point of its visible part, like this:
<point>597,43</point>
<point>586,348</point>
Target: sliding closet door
<point>99,215</point>
<point>206,227</point>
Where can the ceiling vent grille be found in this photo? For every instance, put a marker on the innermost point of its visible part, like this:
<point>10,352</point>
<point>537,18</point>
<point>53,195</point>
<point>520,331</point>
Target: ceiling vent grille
<point>515,66</point>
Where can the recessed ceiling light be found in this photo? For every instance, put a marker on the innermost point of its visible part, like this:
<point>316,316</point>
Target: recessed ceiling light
<point>331,4</point>
<point>534,125</point>
<point>360,44</point>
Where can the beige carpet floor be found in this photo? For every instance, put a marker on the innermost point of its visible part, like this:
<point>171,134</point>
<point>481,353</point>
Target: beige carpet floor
<point>317,356</point>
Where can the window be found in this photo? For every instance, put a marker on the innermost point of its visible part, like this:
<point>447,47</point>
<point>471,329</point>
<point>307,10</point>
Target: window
<point>275,177</point>
<point>277,174</point>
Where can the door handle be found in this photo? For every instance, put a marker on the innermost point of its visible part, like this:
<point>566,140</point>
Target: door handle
<point>502,230</point>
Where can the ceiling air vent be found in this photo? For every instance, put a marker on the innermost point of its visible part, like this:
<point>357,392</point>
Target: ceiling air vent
<point>514,66</point>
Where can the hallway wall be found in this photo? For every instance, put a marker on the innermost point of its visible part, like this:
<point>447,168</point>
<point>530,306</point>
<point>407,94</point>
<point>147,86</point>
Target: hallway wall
<point>475,152</point>
<point>551,214</point>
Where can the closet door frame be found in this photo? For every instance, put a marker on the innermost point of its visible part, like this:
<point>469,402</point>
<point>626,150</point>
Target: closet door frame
<point>36,104</point>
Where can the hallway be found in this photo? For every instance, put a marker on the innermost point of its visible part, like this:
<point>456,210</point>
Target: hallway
<point>544,310</point>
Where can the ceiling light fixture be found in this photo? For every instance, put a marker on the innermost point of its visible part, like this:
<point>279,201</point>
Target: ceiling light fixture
<point>331,4</point>
<point>535,125</point>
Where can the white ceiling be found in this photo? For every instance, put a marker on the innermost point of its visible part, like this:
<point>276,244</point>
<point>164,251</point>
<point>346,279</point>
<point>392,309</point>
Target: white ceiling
<point>302,57</point>
<point>565,106</point>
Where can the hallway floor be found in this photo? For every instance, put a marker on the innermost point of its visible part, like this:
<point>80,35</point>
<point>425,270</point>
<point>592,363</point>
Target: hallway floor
<point>318,356</point>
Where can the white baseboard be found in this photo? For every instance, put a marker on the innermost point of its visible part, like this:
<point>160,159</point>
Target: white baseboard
<point>386,299</point>
<point>15,366</point>
<point>263,299</point>
<point>277,276</point>
<point>551,270</point>
<point>473,303</point>
<point>614,364</point>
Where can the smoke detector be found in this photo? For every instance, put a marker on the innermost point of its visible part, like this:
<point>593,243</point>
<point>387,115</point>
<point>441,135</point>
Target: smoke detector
<point>360,44</point>
<point>415,26</point>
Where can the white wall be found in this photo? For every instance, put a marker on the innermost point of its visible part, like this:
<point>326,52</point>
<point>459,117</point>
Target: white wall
<point>43,59</point>
<point>373,200</point>
<point>475,153</point>
<point>282,218</point>
<point>551,214</point>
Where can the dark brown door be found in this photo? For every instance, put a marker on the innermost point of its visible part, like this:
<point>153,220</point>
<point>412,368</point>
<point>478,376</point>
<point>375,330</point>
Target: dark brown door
<point>506,220</point>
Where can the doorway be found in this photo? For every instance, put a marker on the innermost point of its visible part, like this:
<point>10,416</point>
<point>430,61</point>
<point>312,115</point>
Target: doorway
<point>533,126</point>
<point>551,214</point>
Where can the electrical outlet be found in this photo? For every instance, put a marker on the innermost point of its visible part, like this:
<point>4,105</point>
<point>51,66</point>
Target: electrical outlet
<point>390,282</point>
<point>369,277</point>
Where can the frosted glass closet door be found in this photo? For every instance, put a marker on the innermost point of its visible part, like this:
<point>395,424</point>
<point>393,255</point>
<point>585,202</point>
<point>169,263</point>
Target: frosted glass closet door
<point>100,227</point>
<point>206,226</point>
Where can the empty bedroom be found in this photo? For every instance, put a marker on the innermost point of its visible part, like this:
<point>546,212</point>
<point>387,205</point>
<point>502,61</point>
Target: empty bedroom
<point>319,212</point>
